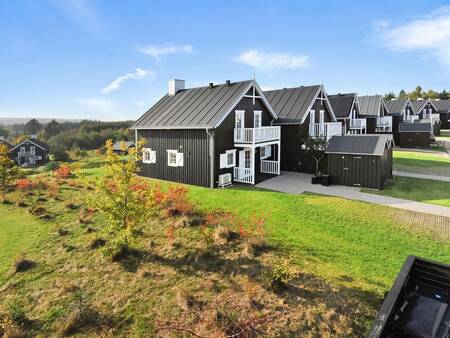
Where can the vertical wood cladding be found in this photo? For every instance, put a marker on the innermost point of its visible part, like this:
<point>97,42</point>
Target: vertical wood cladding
<point>193,143</point>
<point>361,170</point>
<point>445,123</point>
<point>395,124</point>
<point>371,125</point>
<point>414,140</point>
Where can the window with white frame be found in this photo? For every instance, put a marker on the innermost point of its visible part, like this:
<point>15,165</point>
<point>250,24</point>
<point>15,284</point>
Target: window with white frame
<point>257,122</point>
<point>312,116</point>
<point>174,158</point>
<point>148,155</point>
<point>22,150</point>
<point>266,152</point>
<point>228,159</point>
<point>322,116</point>
<point>32,150</point>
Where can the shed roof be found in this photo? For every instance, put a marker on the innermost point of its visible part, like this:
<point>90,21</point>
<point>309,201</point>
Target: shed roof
<point>293,104</point>
<point>201,107</point>
<point>396,106</point>
<point>342,104</point>
<point>118,145</point>
<point>360,144</point>
<point>416,127</point>
<point>442,106</point>
<point>369,105</point>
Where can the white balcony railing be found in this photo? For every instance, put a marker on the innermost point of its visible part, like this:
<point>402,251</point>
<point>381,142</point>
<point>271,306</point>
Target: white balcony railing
<point>325,130</point>
<point>256,135</point>
<point>243,175</point>
<point>270,167</point>
<point>411,118</point>
<point>358,123</point>
<point>385,121</point>
<point>434,118</point>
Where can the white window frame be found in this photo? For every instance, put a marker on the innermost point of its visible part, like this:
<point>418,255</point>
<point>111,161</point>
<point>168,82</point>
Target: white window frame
<point>22,150</point>
<point>265,152</point>
<point>257,116</point>
<point>241,114</point>
<point>151,155</point>
<point>321,116</point>
<point>224,163</point>
<point>169,158</point>
<point>312,116</point>
<point>32,150</point>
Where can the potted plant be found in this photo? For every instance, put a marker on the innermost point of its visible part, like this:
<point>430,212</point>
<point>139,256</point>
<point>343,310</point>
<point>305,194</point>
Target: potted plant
<point>315,147</point>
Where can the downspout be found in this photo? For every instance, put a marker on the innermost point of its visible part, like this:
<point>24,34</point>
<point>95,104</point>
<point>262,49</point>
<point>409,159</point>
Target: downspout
<point>210,133</point>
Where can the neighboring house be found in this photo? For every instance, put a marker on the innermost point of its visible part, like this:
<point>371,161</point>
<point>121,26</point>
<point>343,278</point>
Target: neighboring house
<point>428,112</point>
<point>123,146</point>
<point>374,110</point>
<point>302,112</point>
<point>209,136</point>
<point>360,160</point>
<point>415,135</point>
<point>443,108</point>
<point>30,152</point>
<point>7,144</point>
<point>346,110</point>
<point>401,110</point>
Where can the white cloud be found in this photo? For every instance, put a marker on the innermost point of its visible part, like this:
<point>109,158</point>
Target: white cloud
<point>157,51</point>
<point>272,61</point>
<point>138,74</point>
<point>429,33</point>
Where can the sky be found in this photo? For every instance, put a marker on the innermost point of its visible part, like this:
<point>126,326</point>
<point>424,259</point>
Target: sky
<point>112,60</point>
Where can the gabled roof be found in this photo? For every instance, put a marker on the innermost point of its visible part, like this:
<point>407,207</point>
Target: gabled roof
<point>7,144</point>
<point>416,127</point>
<point>342,104</point>
<point>396,106</point>
<point>369,105</point>
<point>35,141</point>
<point>196,108</point>
<point>442,106</point>
<point>418,105</point>
<point>118,145</point>
<point>360,144</point>
<point>293,104</point>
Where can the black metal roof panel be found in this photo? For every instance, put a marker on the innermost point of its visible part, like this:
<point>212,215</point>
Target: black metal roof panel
<point>370,105</point>
<point>396,106</point>
<point>201,107</point>
<point>292,104</point>
<point>442,106</point>
<point>416,127</point>
<point>360,144</point>
<point>342,104</point>
<point>418,105</point>
<point>118,145</point>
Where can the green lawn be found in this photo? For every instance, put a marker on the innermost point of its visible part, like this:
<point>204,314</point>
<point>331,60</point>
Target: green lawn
<point>422,162</point>
<point>428,191</point>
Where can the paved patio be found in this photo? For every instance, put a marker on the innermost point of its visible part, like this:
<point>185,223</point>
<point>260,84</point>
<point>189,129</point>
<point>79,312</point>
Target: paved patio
<point>297,183</point>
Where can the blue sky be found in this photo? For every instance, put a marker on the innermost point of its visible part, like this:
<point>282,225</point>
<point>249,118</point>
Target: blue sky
<point>111,60</point>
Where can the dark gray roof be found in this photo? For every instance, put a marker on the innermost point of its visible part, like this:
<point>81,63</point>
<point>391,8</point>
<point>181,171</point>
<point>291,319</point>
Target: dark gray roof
<point>118,145</point>
<point>370,105</point>
<point>418,105</point>
<point>416,127</point>
<point>342,104</point>
<point>35,141</point>
<point>396,106</point>
<point>202,107</point>
<point>442,106</point>
<point>7,144</point>
<point>360,144</point>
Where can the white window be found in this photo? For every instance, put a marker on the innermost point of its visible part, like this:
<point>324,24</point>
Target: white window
<point>266,152</point>
<point>239,123</point>
<point>148,155</point>
<point>22,149</point>
<point>312,116</point>
<point>174,158</point>
<point>228,159</point>
<point>32,150</point>
<point>322,116</point>
<point>257,122</point>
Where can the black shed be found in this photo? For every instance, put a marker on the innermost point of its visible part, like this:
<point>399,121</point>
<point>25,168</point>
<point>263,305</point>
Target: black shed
<point>415,135</point>
<point>360,160</point>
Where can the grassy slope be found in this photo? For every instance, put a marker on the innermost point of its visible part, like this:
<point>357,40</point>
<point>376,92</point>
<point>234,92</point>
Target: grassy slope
<point>428,191</point>
<point>421,162</point>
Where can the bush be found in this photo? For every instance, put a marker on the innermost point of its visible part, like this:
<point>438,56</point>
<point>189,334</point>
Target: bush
<point>51,166</point>
<point>280,274</point>
<point>64,171</point>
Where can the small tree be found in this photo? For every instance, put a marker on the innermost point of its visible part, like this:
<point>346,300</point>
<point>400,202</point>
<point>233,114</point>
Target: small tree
<point>315,147</point>
<point>8,169</point>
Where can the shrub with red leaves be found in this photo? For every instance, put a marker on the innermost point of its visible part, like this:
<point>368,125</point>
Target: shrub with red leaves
<point>63,171</point>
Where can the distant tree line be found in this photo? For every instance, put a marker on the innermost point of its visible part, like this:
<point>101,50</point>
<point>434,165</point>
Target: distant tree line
<point>418,93</point>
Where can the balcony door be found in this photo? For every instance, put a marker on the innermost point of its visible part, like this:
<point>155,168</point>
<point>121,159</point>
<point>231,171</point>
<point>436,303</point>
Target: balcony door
<point>239,123</point>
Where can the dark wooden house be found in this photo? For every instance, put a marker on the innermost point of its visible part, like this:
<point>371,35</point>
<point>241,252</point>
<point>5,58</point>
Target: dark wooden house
<point>415,135</point>
<point>401,110</point>
<point>303,112</point>
<point>360,160</point>
<point>428,112</point>
<point>443,108</point>
<point>210,136</point>
<point>346,110</point>
<point>30,152</point>
<point>374,110</point>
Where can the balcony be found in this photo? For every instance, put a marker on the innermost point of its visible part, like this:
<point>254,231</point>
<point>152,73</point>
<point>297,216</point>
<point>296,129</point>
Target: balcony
<point>325,130</point>
<point>256,135</point>
<point>358,124</point>
<point>411,118</point>
<point>434,118</point>
<point>384,124</point>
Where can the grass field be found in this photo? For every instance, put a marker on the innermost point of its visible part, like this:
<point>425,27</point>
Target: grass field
<point>422,162</point>
<point>348,258</point>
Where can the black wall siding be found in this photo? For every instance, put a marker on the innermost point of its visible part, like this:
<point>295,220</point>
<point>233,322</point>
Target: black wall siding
<point>38,152</point>
<point>371,125</point>
<point>414,140</point>
<point>445,123</point>
<point>193,143</point>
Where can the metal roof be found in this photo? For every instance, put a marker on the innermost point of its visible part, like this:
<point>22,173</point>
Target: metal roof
<point>40,144</point>
<point>201,107</point>
<point>342,104</point>
<point>419,105</point>
<point>416,127</point>
<point>118,145</point>
<point>370,105</point>
<point>293,104</point>
<point>360,144</point>
<point>442,106</point>
<point>396,106</point>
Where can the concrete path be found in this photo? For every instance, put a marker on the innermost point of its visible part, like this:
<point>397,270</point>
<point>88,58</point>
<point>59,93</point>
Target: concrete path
<point>297,183</point>
<point>422,176</point>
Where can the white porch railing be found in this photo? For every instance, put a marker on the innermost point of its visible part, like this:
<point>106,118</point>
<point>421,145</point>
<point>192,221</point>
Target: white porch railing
<point>432,117</point>
<point>270,167</point>
<point>243,175</point>
<point>256,135</point>
<point>326,130</point>
<point>411,118</point>
<point>358,123</point>
<point>384,123</point>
